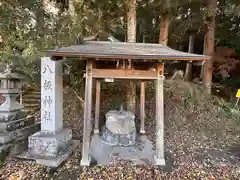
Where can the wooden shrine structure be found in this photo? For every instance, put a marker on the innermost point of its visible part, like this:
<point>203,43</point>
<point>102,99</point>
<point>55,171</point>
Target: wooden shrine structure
<point>118,60</point>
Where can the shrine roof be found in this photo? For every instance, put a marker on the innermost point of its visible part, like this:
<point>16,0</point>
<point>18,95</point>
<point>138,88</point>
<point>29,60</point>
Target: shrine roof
<point>123,50</point>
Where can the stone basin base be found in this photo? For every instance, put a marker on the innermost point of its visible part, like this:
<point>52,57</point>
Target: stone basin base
<point>140,153</point>
<point>118,139</point>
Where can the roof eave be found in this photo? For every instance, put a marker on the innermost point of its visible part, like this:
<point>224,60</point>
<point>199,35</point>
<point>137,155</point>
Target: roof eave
<point>140,57</point>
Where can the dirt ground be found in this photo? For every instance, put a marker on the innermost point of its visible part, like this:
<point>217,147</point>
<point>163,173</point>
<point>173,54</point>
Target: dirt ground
<point>202,139</point>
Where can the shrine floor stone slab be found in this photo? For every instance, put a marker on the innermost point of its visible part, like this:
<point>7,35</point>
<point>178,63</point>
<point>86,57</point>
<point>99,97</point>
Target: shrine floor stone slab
<point>140,153</point>
<point>51,161</point>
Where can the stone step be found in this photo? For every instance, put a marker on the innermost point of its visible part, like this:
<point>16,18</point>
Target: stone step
<point>30,96</point>
<point>14,125</point>
<point>31,105</point>
<point>19,133</point>
<point>28,99</point>
<point>33,92</point>
<point>36,92</point>
<point>31,101</point>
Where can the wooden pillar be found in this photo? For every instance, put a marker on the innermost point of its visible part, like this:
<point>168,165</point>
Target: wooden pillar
<point>159,156</point>
<point>87,115</point>
<point>97,106</point>
<point>142,106</point>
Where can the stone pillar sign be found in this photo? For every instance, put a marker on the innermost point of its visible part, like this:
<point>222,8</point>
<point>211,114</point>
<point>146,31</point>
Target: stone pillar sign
<point>51,96</point>
<point>52,144</point>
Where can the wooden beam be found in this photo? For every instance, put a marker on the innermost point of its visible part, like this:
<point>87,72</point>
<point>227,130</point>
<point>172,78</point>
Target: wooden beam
<point>97,106</point>
<point>142,106</point>
<point>87,115</point>
<point>124,74</point>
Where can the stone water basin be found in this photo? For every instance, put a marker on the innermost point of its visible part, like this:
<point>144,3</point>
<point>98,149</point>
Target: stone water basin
<point>120,129</point>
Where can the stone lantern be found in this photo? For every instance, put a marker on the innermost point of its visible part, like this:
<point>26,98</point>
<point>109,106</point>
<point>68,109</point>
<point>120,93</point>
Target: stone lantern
<point>14,122</point>
<point>10,88</point>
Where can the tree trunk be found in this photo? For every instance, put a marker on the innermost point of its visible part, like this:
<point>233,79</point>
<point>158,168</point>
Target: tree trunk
<point>40,23</point>
<point>71,9</point>
<point>131,21</point>
<point>164,26</point>
<point>188,71</point>
<point>164,23</point>
<point>131,37</point>
<point>209,43</point>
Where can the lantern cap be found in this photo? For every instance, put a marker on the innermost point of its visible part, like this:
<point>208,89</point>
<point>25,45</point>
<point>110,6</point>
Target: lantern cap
<point>8,73</point>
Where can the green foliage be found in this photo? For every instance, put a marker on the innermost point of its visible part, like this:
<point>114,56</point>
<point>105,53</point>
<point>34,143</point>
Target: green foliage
<point>190,97</point>
<point>229,109</point>
<point>28,28</point>
<point>225,107</point>
<point>233,82</point>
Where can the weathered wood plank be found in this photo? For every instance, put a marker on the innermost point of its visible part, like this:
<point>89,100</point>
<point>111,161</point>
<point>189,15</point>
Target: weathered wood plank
<point>142,106</point>
<point>97,106</point>
<point>87,115</point>
<point>123,74</point>
<point>159,116</point>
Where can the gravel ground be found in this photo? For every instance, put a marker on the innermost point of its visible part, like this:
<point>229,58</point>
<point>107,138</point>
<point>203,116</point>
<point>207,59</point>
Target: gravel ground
<point>201,139</point>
